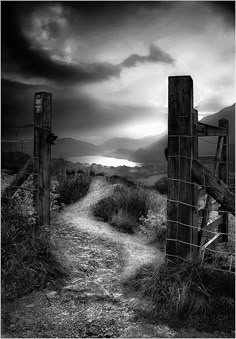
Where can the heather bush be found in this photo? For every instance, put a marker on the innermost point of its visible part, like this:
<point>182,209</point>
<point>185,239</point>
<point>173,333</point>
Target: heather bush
<point>153,227</point>
<point>124,207</point>
<point>72,188</point>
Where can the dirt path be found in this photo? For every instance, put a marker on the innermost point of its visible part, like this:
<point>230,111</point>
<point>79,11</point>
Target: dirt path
<point>93,303</point>
<point>136,253</point>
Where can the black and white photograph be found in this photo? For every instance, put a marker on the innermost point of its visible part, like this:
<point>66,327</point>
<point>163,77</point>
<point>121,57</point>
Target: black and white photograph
<point>117,169</point>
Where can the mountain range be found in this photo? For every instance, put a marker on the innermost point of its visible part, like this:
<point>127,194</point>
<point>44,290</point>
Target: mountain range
<point>154,153</point>
<point>144,150</point>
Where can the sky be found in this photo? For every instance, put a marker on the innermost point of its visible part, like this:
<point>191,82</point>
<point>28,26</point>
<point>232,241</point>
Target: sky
<point>107,63</point>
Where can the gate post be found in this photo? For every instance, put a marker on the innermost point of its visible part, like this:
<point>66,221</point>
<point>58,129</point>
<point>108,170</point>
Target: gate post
<point>224,174</point>
<point>42,156</point>
<point>182,149</point>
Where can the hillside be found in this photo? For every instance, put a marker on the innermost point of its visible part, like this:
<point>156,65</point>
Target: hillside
<point>120,153</point>
<point>68,147</point>
<point>154,153</point>
<point>205,146</point>
<point>114,144</point>
<point>63,148</point>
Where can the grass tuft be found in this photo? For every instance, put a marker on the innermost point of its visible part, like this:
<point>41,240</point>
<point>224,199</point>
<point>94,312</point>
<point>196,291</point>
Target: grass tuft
<point>73,188</point>
<point>29,258</point>
<point>124,207</point>
<point>185,290</point>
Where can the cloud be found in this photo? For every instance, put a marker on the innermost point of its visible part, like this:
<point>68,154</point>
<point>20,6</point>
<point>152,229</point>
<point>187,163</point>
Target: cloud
<point>76,114</point>
<point>19,56</point>
<point>100,61</point>
<point>38,47</point>
<point>156,54</point>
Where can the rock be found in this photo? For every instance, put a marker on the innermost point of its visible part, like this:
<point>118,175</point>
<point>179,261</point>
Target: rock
<point>117,295</point>
<point>51,294</point>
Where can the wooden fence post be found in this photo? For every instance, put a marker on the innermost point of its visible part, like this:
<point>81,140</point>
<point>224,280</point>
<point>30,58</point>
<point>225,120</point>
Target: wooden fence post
<point>182,149</point>
<point>42,156</point>
<point>224,173</point>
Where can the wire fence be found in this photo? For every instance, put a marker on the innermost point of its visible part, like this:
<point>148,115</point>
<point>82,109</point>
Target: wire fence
<point>19,171</point>
<point>222,257</point>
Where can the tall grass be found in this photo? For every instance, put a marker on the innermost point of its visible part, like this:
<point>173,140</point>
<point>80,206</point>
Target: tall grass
<point>73,188</point>
<point>124,207</point>
<point>185,290</point>
<point>29,259</point>
<point>153,226</point>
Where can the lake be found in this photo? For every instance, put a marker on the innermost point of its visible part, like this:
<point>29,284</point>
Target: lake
<point>104,161</point>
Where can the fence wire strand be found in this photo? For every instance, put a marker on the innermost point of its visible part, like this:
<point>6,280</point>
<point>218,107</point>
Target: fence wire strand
<point>205,208</point>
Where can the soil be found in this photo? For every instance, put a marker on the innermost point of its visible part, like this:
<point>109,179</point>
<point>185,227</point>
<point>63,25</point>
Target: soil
<point>93,302</point>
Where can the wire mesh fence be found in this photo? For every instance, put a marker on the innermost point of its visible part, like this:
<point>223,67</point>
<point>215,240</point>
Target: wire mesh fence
<point>18,170</point>
<point>221,256</point>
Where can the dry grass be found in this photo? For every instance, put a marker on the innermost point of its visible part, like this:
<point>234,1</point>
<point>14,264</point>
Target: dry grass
<point>29,257</point>
<point>73,188</point>
<point>186,291</point>
<point>124,207</point>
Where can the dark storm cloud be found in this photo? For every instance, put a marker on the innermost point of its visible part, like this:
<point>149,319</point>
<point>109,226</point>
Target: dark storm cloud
<point>111,31</point>
<point>226,9</point>
<point>155,55</point>
<point>19,57</point>
<point>17,106</point>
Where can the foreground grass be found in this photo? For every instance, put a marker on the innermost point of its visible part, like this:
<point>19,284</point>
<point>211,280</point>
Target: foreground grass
<point>29,259</point>
<point>187,294</point>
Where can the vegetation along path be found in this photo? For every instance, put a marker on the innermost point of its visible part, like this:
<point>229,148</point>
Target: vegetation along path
<point>93,302</point>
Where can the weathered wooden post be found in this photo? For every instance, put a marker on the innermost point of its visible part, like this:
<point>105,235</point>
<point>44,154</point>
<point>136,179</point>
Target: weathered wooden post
<point>182,149</point>
<point>42,156</point>
<point>224,173</point>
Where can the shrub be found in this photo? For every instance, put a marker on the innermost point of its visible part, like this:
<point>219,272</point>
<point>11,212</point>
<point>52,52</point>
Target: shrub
<point>29,258</point>
<point>73,189</point>
<point>153,227</point>
<point>123,220</point>
<point>116,179</point>
<point>185,290</point>
<point>100,174</point>
<point>162,185</point>
<point>124,207</point>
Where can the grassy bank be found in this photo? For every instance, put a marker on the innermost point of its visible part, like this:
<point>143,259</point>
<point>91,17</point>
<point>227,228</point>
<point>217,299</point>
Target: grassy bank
<point>187,294</point>
<point>30,259</point>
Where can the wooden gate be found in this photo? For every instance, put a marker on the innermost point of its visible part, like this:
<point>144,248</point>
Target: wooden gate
<point>186,223</point>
